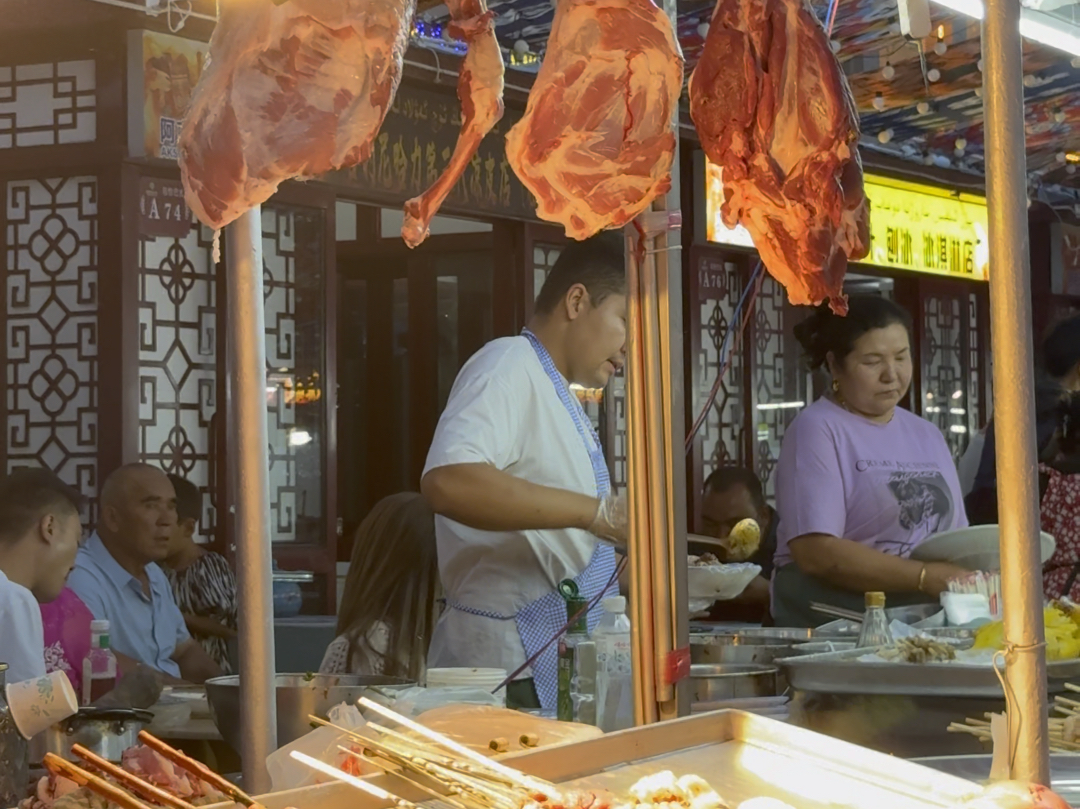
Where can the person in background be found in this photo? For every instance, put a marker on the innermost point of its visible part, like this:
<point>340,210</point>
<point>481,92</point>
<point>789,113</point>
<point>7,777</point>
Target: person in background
<point>860,481</point>
<point>1058,375</point>
<point>732,494</point>
<point>117,576</point>
<point>40,531</point>
<point>389,602</point>
<point>66,624</point>
<point>1059,490</point>
<point>202,582</point>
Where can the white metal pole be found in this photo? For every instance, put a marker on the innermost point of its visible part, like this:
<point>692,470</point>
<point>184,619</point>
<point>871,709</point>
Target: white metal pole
<point>247,369</point>
<point>1014,403</point>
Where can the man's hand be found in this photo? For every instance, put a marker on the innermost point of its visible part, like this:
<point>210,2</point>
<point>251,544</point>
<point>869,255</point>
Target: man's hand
<point>204,625</point>
<point>610,520</point>
<point>196,666</point>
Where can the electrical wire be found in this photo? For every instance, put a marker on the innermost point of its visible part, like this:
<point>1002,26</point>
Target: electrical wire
<point>740,319</point>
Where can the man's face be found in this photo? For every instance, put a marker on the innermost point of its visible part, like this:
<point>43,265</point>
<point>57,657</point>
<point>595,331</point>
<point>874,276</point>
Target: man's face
<point>60,531</point>
<point>721,511</point>
<point>143,517</point>
<point>598,338</point>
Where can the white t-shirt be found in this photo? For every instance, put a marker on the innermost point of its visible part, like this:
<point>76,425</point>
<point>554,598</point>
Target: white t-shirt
<point>22,637</point>
<point>504,410</point>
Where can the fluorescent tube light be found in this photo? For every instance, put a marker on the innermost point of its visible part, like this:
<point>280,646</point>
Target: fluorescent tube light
<point>1034,25</point>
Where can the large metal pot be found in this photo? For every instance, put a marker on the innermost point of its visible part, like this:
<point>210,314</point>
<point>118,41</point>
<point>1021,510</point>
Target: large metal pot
<point>298,696</point>
<point>718,649</point>
<point>729,681</point>
<point>105,731</point>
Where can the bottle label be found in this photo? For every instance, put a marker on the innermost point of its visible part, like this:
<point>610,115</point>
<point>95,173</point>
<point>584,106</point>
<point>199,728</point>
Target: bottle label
<point>565,703</point>
<point>103,642</point>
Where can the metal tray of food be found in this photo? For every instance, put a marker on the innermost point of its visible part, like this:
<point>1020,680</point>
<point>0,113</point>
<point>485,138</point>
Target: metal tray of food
<point>741,755</point>
<point>1064,771</point>
<point>842,673</point>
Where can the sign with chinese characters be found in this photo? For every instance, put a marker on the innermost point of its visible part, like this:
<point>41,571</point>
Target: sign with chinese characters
<point>162,73</point>
<point>915,227</point>
<point>415,144</point>
<point>1065,260</point>
<point>162,210</point>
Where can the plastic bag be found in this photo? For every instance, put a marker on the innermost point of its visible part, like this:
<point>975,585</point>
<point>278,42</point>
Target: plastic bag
<point>415,701</point>
<point>322,743</point>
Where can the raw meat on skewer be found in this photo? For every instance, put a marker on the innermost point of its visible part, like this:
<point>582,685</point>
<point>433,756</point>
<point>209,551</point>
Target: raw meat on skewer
<point>292,89</point>
<point>596,143</point>
<point>480,90</point>
<point>773,109</point>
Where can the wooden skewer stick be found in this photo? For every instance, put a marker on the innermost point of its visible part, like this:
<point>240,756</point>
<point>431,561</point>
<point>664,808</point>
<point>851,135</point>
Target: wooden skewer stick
<point>198,769</point>
<point>110,792</point>
<point>351,780</point>
<point>130,780</point>
<point>1073,688</point>
<point>398,774</point>
<point>519,778</point>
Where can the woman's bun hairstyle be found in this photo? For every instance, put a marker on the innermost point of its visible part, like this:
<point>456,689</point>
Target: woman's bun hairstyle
<point>825,332</point>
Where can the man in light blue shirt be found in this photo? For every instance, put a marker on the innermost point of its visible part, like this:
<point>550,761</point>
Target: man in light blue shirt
<point>117,576</point>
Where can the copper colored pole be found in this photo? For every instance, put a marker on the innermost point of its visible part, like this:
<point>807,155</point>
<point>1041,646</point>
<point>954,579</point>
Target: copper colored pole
<point>1014,402</point>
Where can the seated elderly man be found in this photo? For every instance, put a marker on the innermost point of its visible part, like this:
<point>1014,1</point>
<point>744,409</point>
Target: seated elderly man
<point>117,576</point>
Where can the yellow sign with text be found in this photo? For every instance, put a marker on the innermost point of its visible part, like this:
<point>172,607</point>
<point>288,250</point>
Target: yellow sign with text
<point>914,227</point>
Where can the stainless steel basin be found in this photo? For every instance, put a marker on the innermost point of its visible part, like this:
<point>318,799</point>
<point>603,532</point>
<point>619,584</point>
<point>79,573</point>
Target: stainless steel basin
<point>298,696</point>
<point>726,682</point>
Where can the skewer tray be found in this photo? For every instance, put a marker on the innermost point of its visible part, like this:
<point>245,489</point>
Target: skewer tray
<point>842,673</point>
<point>741,755</point>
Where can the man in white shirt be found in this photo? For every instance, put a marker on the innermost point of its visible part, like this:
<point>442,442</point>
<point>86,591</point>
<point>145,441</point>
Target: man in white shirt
<point>518,481</point>
<point>39,537</point>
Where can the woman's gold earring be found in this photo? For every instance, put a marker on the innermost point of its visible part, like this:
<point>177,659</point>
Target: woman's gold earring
<point>835,386</point>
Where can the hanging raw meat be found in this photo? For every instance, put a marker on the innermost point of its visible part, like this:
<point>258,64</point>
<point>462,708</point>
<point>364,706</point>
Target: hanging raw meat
<point>596,144</point>
<point>480,90</point>
<point>773,109</point>
<point>293,89</point>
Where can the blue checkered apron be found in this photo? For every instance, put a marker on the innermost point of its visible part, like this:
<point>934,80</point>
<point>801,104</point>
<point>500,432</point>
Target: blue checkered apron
<point>539,621</point>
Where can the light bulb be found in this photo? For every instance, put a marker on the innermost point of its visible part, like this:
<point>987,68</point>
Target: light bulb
<point>961,144</point>
<point>879,102</point>
<point>703,30</point>
<point>1061,158</point>
<point>933,74</point>
<point>521,47</point>
<point>978,92</point>
<point>888,72</point>
<point>1070,169</point>
<point>923,107</point>
<point>1060,116</point>
<point>835,45</point>
<point>1030,81</point>
<point>940,48</point>
<point>885,135</point>
<point>979,65</point>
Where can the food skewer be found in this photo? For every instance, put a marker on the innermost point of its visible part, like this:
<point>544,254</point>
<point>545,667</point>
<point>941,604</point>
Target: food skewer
<point>199,770</point>
<point>130,780</point>
<point>518,778</point>
<point>110,792</point>
<point>352,780</point>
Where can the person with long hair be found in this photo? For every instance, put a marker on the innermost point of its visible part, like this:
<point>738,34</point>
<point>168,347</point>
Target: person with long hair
<point>1059,507</point>
<point>388,608</point>
<point>861,481</point>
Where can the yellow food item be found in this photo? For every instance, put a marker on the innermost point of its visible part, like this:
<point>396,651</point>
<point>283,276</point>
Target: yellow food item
<point>1062,635</point>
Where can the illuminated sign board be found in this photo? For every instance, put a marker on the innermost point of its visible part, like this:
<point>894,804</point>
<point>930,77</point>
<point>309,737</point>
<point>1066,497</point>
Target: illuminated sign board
<point>915,227</point>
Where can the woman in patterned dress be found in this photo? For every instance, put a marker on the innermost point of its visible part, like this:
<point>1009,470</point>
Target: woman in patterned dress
<point>1059,483</point>
<point>202,581</point>
<point>388,607</point>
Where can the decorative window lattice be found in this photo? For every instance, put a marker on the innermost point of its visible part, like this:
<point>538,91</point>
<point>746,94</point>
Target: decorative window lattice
<point>48,104</point>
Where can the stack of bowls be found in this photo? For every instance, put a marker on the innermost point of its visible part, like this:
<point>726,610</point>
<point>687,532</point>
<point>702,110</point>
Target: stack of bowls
<point>483,679</point>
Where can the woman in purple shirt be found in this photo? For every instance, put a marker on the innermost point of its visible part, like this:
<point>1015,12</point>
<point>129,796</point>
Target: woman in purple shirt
<point>860,481</point>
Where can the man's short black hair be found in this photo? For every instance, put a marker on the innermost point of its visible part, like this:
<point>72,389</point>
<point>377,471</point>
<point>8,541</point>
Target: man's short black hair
<point>188,499</point>
<point>27,495</point>
<point>727,478</point>
<point>597,263</point>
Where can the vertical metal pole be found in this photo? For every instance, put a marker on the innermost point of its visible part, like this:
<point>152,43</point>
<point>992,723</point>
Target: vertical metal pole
<point>247,367</point>
<point>1014,404</point>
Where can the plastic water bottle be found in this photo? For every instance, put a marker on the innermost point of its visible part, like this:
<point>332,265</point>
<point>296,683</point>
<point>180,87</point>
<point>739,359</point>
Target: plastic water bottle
<point>99,666</point>
<point>614,687</point>
<point>875,630</point>
<point>577,668</point>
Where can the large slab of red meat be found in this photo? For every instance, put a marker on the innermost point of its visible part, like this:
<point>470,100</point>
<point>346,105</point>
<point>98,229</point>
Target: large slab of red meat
<point>480,90</point>
<point>597,140</point>
<point>773,109</point>
<point>293,89</point>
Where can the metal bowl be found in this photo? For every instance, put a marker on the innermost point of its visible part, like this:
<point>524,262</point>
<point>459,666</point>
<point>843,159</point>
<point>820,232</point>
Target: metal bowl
<point>719,683</point>
<point>298,695</point>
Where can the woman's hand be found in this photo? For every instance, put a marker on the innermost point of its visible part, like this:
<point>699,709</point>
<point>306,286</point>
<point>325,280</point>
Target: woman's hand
<point>938,574</point>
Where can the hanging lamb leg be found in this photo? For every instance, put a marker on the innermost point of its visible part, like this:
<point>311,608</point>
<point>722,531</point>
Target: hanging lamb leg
<point>480,90</point>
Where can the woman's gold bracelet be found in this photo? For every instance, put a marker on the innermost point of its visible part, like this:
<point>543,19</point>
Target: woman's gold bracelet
<point>922,578</point>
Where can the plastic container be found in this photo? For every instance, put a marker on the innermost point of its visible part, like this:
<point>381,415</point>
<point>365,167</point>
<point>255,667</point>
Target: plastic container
<point>577,668</point>
<point>99,666</point>
<point>875,630</point>
<point>614,668</point>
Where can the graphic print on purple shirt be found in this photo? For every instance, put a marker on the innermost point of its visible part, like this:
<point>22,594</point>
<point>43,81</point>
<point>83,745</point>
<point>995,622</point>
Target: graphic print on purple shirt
<point>886,486</point>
